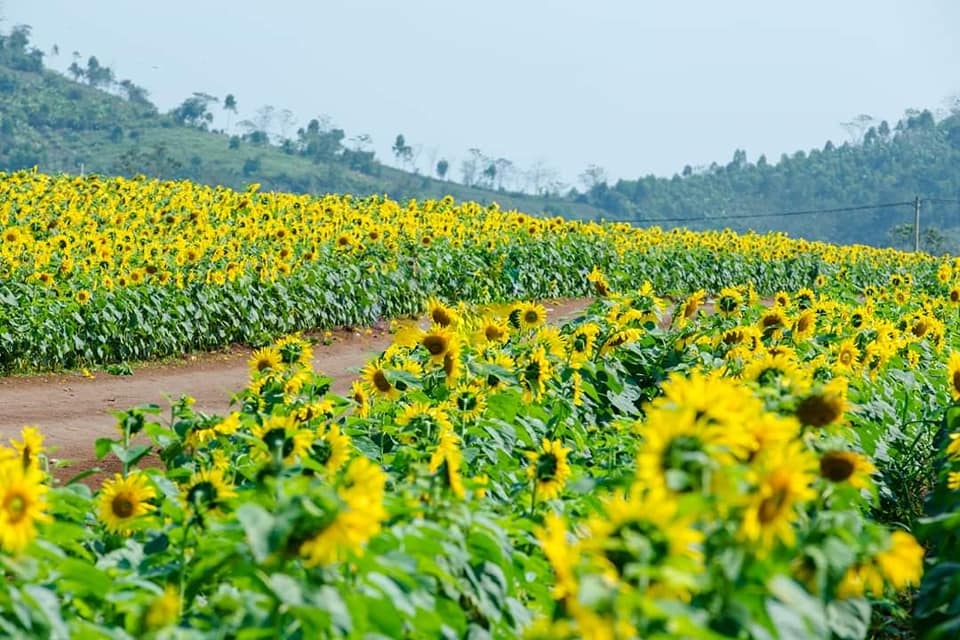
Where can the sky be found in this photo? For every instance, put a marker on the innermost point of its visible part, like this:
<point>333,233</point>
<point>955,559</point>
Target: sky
<point>634,87</point>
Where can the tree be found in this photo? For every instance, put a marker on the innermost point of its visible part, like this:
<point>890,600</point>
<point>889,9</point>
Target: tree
<point>402,150</point>
<point>592,176</point>
<point>96,74</point>
<point>505,171</point>
<point>264,120</point>
<point>193,112</point>
<point>442,167</point>
<point>135,94</point>
<point>230,106</point>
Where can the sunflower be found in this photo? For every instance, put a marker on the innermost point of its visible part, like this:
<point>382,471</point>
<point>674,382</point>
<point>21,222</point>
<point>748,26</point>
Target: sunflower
<point>859,579</point>
<point>620,338</point>
<point>953,375</point>
<point>441,314</point>
<point>330,448</point>
<point>531,314</point>
<point>780,371</point>
<point>599,282</point>
<point>280,438</point>
<point>534,370</point>
<point>691,306</point>
<point>419,420</point>
<point>494,329</point>
<point>729,302</point>
<point>374,374</point>
<point>902,563</point>
<point>82,296</point>
<point>448,459</point>
<point>781,299</point>
<point>562,553</point>
<point>294,349</point>
<point>438,341</point>
<point>955,294</point>
<point>783,479</point>
<point>846,466</point>
<point>772,322</point>
<point>208,491</point>
<point>163,610</point>
<point>363,485</point>
<point>123,500</point>
<point>582,343</point>
<point>847,355</point>
<point>31,447</point>
<point>548,469</point>
<point>496,370</point>
<point>22,503</point>
<point>344,535</point>
<point>361,399</point>
<point>805,325</point>
<point>264,360</point>
<point>470,400</point>
<point>804,298</point>
<point>824,406</point>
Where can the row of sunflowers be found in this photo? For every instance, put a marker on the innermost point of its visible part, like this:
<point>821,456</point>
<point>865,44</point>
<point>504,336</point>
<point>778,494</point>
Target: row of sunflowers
<point>725,466</point>
<point>97,270</point>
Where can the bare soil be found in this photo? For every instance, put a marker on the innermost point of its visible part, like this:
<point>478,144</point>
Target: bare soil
<point>73,411</point>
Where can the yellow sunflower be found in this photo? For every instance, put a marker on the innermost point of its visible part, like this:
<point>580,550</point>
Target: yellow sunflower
<point>549,469</point>
<point>448,458</point>
<point>824,406</point>
<point>782,479</point>
<point>330,448</point>
<point>374,374</point>
<point>562,553</point>
<point>22,504</point>
<point>647,529</point>
<point>264,360</point>
<point>534,370</point>
<point>280,438</point>
<point>902,562</point>
<point>531,314</point>
<point>846,466</point>
<point>123,500</point>
<point>30,447</point>
<point>953,375</point>
<point>208,491</point>
<point>441,314</point>
<point>438,341</point>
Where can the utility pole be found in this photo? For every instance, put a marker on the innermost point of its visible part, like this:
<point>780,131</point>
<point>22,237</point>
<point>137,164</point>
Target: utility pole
<point>916,224</point>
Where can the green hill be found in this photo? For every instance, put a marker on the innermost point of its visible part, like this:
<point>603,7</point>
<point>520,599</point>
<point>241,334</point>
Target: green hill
<point>94,123</point>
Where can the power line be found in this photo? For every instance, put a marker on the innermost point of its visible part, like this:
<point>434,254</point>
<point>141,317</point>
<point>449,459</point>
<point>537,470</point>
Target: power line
<point>940,200</point>
<point>775,214</point>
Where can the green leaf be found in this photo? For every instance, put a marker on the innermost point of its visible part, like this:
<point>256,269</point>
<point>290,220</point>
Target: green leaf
<point>102,446</point>
<point>849,619</point>
<point>257,524</point>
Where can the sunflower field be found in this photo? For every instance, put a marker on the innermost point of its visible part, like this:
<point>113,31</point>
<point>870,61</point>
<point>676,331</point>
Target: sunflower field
<point>107,270</point>
<point>773,452</point>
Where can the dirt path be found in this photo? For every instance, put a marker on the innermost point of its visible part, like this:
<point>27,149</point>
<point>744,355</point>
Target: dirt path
<point>72,411</point>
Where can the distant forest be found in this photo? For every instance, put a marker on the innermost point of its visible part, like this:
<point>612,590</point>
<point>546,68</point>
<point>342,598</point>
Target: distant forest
<point>85,119</point>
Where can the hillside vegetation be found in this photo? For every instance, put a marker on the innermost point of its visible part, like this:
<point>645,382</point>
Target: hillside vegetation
<point>97,123</point>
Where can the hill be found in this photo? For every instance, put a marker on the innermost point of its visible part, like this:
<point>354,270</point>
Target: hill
<point>95,123</point>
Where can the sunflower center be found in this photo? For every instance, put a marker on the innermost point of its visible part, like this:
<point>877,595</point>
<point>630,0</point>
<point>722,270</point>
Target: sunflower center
<point>531,317</point>
<point>321,451</point>
<point>819,410</point>
<point>492,332</point>
<point>467,402</point>
<point>381,383</point>
<point>547,467</point>
<point>836,467</point>
<point>15,507</point>
<point>956,380</point>
<point>441,317</point>
<point>203,493</point>
<point>771,506</point>
<point>436,345</point>
<point>122,506</point>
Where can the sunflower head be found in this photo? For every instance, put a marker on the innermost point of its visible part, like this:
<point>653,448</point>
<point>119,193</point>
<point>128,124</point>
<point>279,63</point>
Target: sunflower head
<point>123,500</point>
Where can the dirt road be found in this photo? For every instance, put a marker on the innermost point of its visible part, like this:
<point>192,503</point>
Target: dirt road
<point>72,410</point>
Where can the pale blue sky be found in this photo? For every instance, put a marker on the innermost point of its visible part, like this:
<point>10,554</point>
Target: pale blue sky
<point>635,87</point>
